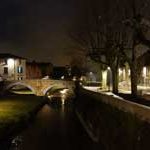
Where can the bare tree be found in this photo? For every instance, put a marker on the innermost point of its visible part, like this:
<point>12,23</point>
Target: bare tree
<point>102,37</point>
<point>138,29</point>
<point>109,34</point>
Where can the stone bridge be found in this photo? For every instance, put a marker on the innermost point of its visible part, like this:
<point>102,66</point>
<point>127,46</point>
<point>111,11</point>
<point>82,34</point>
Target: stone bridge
<point>39,86</point>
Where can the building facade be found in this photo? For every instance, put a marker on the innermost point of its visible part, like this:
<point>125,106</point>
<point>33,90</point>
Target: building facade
<point>38,70</point>
<point>12,67</point>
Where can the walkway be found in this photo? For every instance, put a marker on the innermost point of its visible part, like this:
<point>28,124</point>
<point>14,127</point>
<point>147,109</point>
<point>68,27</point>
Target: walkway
<point>144,99</point>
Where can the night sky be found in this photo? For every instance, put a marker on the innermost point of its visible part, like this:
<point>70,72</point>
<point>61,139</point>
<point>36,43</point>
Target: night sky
<point>37,29</point>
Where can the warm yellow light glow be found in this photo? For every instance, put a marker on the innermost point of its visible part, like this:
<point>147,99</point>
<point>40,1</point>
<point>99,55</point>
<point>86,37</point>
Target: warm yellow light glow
<point>10,62</point>
<point>120,71</point>
<point>62,77</point>
<point>104,79</point>
<point>144,71</point>
<point>108,68</point>
<point>81,79</point>
<point>129,72</point>
<point>74,79</point>
<point>64,91</point>
<point>63,100</point>
<point>49,96</point>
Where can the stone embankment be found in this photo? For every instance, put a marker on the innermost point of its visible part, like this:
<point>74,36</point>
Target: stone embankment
<point>113,121</point>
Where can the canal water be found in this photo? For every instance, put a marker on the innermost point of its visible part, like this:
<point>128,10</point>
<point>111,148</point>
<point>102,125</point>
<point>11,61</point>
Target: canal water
<point>55,127</point>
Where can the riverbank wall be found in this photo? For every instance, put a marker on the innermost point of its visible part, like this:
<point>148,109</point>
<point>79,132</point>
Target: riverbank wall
<point>113,121</point>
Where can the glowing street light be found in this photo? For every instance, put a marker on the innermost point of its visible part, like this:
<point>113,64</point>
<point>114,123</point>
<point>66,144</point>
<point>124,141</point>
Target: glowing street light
<point>108,68</point>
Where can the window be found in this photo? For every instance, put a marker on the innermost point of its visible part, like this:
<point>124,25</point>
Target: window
<point>19,69</point>
<point>20,78</point>
<point>5,70</point>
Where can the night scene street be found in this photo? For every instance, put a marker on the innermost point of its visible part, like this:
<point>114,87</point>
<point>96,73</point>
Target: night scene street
<point>75,74</point>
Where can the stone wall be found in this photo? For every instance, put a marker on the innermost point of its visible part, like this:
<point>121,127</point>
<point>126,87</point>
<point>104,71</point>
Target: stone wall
<point>113,122</point>
<point>140,111</point>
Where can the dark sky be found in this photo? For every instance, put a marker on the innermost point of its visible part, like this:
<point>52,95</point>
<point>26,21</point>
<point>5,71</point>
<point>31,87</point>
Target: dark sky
<point>37,29</point>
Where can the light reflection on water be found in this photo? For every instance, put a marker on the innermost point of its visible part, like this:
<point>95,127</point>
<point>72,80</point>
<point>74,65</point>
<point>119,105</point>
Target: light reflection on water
<point>16,142</point>
<point>60,98</point>
<point>57,101</point>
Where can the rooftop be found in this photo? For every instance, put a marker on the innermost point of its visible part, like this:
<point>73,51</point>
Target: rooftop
<point>7,55</point>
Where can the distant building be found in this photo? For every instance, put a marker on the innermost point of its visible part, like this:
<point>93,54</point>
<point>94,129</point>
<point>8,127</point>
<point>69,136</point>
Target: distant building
<point>12,67</point>
<point>38,70</point>
<point>60,72</point>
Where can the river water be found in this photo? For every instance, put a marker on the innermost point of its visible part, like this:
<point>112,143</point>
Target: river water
<point>55,127</point>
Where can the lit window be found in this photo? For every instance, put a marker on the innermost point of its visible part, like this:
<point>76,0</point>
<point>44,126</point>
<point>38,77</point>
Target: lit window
<point>19,69</point>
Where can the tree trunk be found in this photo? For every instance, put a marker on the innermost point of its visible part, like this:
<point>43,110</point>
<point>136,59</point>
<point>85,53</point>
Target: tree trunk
<point>133,66</point>
<point>134,80</point>
<point>114,80</point>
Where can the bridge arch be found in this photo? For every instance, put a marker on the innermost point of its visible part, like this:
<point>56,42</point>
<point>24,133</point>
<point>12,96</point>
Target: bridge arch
<point>39,87</point>
<point>10,86</point>
<point>52,88</point>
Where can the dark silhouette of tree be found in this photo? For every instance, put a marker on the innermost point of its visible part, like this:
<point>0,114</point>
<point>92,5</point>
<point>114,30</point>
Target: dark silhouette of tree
<point>77,66</point>
<point>111,31</point>
<point>137,36</point>
<point>102,37</point>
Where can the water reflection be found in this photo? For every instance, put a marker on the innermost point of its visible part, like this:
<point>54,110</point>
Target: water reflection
<point>61,101</point>
<point>16,142</point>
<point>57,103</point>
<point>63,95</point>
<point>60,98</point>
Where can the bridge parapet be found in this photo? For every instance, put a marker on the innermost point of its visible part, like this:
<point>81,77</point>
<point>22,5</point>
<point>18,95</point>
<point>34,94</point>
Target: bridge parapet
<point>39,86</point>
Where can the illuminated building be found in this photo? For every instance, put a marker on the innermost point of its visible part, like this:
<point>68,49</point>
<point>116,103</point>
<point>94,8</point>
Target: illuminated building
<point>12,67</point>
